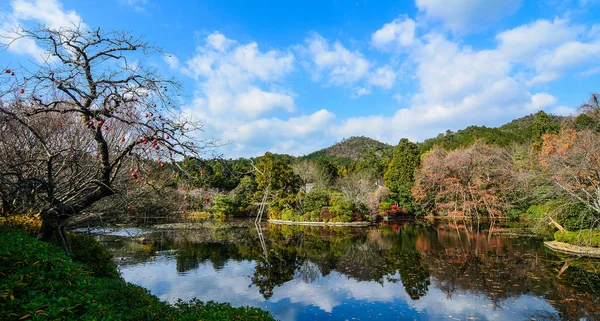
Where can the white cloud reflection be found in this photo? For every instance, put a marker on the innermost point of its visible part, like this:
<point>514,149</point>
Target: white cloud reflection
<point>329,297</point>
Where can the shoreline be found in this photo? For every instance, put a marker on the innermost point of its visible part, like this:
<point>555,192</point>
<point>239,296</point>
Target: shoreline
<point>573,249</point>
<point>351,224</point>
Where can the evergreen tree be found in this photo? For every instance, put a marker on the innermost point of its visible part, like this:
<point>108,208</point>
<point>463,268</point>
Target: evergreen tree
<point>400,175</point>
<point>542,124</point>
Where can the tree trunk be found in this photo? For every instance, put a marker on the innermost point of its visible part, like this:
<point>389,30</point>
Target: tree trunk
<point>57,230</point>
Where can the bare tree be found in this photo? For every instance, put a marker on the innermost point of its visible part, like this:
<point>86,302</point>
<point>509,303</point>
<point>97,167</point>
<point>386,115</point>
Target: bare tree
<point>592,107</point>
<point>356,186</point>
<point>69,126</point>
<point>572,160</point>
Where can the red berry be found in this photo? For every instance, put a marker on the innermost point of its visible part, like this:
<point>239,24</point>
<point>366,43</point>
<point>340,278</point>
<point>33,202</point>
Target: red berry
<point>155,140</point>
<point>162,164</point>
<point>168,137</point>
<point>129,208</point>
<point>91,123</point>
<point>153,105</point>
<point>182,212</point>
<point>7,71</point>
<point>151,114</point>
<point>146,115</point>
<point>105,127</point>
<point>122,139</point>
<point>158,116</point>
<point>12,73</point>
<point>22,91</point>
<point>101,123</point>
<point>134,175</point>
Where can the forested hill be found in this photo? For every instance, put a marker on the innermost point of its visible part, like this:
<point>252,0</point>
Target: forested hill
<point>520,130</point>
<point>354,148</point>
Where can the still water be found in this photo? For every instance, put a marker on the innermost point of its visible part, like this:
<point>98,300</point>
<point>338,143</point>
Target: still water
<point>400,271</point>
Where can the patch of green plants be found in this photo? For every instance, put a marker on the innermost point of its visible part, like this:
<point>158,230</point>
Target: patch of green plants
<point>587,237</point>
<point>95,256</point>
<point>39,282</point>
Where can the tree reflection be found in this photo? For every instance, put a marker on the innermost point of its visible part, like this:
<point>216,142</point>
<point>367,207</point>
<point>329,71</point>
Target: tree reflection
<point>455,258</point>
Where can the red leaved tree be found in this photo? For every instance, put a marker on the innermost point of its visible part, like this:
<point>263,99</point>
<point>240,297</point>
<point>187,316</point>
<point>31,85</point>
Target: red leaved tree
<point>464,182</point>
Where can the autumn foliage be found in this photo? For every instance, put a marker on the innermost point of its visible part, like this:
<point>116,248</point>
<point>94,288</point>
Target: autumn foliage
<point>465,182</point>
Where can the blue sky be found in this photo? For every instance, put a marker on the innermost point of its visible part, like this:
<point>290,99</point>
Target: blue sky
<point>293,77</point>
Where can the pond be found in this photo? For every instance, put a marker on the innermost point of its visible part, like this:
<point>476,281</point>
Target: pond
<point>399,271</point>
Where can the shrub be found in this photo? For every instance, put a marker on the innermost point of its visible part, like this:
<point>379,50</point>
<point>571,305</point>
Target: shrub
<point>325,215</point>
<point>223,204</point>
<point>342,209</point>
<point>28,223</point>
<point>95,256</point>
<point>315,200</point>
<point>574,216</point>
<point>588,237</point>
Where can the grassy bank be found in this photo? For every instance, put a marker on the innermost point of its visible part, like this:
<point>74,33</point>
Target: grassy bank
<point>39,282</point>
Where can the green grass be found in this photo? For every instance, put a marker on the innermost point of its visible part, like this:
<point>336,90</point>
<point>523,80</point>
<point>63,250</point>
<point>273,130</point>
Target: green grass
<point>39,282</point>
<point>587,237</point>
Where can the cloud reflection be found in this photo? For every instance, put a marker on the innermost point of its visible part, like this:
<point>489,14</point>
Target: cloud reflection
<point>334,296</point>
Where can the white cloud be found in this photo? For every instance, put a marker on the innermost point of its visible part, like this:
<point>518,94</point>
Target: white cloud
<point>395,35</point>
<point>256,102</point>
<point>218,41</point>
<point>228,75</point>
<point>564,111</point>
<point>172,61</point>
<point>549,48</point>
<point>138,6</point>
<point>242,98</point>
<point>383,77</point>
<point>458,86</point>
<point>48,13</point>
<point>541,101</point>
<point>360,91</point>
<point>341,65</point>
<point>465,15</point>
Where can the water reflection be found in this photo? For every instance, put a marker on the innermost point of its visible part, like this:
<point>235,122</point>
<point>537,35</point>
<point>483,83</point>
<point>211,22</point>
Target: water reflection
<point>401,271</point>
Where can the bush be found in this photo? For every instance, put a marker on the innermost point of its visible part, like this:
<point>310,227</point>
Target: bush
<point>315,200</point>
<point>287,214</point>
<point>574,216</point>
<point>28,223</point>
<point>342,210</point>
<point>95,256</point>
<point>588,237</point>
<point>39,281</point>
<point>222,204</point>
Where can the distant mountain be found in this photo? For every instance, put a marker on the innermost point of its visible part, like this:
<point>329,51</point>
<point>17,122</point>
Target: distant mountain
<point>356,148</point>
<point>353,148</point>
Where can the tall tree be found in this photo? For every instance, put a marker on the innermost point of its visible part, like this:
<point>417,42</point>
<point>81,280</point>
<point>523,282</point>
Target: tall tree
<point>542,124</point>
<point>400,175</point>
<point>69,126</point>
